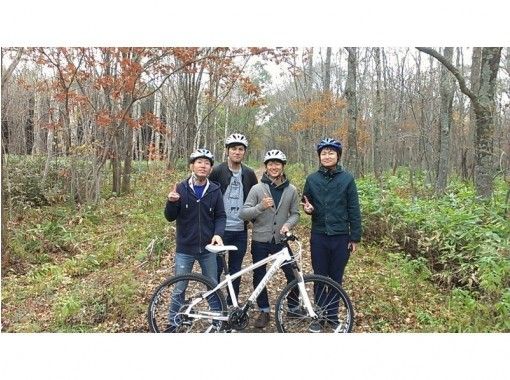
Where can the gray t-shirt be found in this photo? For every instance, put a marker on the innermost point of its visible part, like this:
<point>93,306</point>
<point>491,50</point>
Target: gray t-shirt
<point>233,200</point>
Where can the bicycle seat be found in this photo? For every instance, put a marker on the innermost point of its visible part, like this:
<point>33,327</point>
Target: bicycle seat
<point>220,248</point>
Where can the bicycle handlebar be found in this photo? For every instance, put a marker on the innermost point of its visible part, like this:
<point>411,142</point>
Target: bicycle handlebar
<point>289,236</point>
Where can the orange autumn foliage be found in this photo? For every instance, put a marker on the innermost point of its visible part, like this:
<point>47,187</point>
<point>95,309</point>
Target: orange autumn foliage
<point>153,121</point>
<point>323,110</point>
<point>103,119</point>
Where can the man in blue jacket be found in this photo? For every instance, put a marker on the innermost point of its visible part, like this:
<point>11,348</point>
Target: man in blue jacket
<point>330,196</point>
<point>196,204</point>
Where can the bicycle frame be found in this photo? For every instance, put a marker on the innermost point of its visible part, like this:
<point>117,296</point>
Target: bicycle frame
<point>279,258</point>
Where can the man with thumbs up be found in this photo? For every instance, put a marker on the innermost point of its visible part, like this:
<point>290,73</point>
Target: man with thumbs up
<point>273,206</point>
<point>196,204</point>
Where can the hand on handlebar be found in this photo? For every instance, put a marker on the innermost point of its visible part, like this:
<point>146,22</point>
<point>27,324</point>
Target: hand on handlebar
<point>289,236</point>
<point>216,240</point>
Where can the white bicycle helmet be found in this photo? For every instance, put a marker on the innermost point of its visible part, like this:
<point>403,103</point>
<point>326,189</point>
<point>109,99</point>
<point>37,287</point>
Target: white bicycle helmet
<point>201,153</point>
<point>275,154</point>
<point>236,139</point>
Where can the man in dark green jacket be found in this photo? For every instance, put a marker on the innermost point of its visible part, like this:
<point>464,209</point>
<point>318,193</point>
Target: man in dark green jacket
<point>330,196</point>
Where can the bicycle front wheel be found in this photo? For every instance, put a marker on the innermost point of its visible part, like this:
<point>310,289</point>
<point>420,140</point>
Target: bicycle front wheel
<point>333,307</point>
<point>169,308</point>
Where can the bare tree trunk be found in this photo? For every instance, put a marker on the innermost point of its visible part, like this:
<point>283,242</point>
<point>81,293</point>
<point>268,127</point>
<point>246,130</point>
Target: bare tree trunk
<point>5,141</point>
<point>126,146</point>
<point>39,133</point>
<point>484,108</point>
<point>135,114</point>
<point>6,135</point>
<point>376,146</point>
<point>352,112</point>
<point>327,86</point>
<point>29,125</point>
<point>445,120</point>
<point>484,144</point>
<point>116,164</point>
<point>157,113</point>
<point>476,68</point>
<point>191,90</point>
<point>49,153</point>
<point>225,130</point>
<point>308,97</point>
<point>327,71</point>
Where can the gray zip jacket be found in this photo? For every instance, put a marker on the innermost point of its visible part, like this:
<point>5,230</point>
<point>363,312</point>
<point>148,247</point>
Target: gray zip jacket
<point>267,223</point>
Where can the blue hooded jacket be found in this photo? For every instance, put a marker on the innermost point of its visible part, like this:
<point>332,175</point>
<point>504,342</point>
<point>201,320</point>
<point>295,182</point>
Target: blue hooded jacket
<point>197,220</point>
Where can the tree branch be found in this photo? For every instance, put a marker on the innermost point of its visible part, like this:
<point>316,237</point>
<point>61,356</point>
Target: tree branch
<point>453,70</point>
<point>7,73</point>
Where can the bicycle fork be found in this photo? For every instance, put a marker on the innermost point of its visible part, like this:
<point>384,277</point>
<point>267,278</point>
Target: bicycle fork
<point>304,295</point>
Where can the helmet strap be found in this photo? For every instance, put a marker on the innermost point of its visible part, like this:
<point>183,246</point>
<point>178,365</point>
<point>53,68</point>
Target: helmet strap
<point>275,180</point>
<point>197,180</point>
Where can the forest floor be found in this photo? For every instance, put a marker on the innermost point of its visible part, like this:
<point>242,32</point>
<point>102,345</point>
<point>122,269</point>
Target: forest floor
<point>95,270</point>
<point>386,297</point>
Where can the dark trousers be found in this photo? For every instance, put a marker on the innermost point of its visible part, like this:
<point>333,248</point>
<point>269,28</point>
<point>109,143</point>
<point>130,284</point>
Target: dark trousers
<point>329,258</point>
<point>259,252</point>
<point>329,255</point>
<point>235,258</point>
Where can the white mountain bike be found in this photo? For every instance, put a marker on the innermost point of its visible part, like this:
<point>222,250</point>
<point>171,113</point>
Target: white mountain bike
<point>192,303</point>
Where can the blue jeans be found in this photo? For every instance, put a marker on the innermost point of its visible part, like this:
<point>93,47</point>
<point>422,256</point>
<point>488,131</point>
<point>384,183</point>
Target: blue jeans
<point>183,265</point>
<point>329,258</point>
<point>235,258</point>
<point>260,251</point>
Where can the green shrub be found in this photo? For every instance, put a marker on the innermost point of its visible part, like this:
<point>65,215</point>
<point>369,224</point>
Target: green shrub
<point>67,309</point>
<point>121,295</point>
<point>463,242</point>
<point>24,185</point>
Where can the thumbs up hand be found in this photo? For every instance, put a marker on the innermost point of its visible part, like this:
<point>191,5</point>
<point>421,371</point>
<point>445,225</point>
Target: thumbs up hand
<point>267,201</point>
<point>307,206</point>
<point>173,195</point>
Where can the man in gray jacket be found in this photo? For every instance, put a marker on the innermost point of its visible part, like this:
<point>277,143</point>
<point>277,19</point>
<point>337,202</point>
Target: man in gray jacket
<point>273,206</point>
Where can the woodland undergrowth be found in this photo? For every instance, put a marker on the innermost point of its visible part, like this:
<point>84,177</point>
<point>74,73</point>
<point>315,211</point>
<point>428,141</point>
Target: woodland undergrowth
<point>427,263</point>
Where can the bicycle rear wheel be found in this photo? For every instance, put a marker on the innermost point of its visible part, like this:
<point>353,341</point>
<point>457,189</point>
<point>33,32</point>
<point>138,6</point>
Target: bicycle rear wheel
<point>329,301</point>
<point>169,305</point>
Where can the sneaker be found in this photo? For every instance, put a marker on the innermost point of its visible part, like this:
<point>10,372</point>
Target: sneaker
<point>315,327</point>
<point>262,320</point>
<point>297,312</point>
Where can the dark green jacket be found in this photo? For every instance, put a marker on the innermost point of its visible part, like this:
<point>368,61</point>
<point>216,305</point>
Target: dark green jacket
<point>334,197</point>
